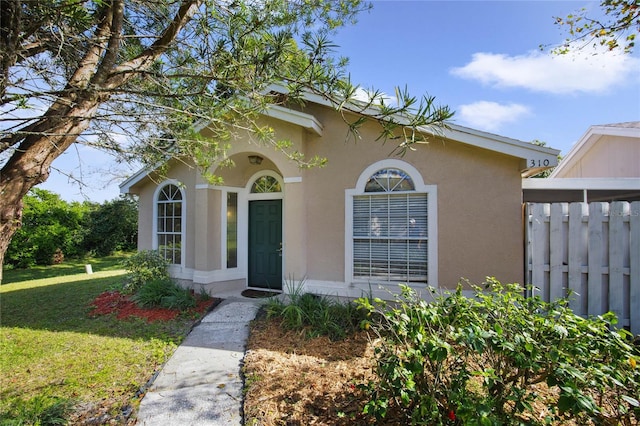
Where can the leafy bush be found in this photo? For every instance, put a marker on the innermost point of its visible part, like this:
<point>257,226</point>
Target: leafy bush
<point>317,315</point>
<point>112,226</point>
<point>53,229</point>
<point>142,267</point>
<point>49,225</point>
<point>486,360</point>
<point>164,293</point>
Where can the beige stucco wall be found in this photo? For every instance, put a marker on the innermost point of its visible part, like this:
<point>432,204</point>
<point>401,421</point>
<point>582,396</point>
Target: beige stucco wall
<point>479,202</point>
<point>146,189</point>
<point>610,157</point>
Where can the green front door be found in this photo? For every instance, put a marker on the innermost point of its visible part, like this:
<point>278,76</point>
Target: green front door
<point>265,244</point>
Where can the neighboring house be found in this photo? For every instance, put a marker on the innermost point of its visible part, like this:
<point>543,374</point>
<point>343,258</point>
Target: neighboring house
<point>604,165</point>
<point>451,209</point>
<point>583,226</point>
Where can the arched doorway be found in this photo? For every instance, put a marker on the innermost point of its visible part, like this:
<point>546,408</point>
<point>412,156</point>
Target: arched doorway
<point>265,232</point>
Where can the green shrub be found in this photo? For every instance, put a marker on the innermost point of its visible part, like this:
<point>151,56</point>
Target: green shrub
<point>164,293</point>
<point>317,315</point>
<point>482,360</point>
<point>142,267</point>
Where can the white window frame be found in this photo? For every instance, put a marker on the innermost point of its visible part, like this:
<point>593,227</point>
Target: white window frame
<point>432,218</point>
<point>183,219</point>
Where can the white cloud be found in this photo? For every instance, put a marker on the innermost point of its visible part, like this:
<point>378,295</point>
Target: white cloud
<point>368,95</point>
<point>490,116</point>
<point>583,70</point>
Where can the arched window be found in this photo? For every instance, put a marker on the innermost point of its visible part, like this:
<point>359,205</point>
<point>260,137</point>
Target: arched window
<point>265,184</point>
<point>390,239</point>
<point>169,218</point>
<point>389,180</point>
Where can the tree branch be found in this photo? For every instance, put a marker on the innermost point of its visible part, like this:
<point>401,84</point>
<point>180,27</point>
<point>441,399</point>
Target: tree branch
<point>87,65</point>
<point>125,71</point>
<point>113,46</point>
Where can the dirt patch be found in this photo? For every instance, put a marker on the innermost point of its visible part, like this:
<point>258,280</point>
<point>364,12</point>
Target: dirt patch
<point>114,302</point>
<point>292,380</point>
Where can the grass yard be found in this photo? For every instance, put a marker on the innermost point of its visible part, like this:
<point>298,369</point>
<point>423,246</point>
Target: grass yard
<point>53,356</point>
<point>69,267</point>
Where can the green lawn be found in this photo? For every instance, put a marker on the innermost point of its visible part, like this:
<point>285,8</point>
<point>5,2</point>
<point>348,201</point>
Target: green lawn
<point>69,267</point>
<point>51,350</point>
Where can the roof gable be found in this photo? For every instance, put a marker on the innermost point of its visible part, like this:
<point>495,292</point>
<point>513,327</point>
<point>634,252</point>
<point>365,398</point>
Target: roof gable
<point>535,158</point>
<point>592,136</point>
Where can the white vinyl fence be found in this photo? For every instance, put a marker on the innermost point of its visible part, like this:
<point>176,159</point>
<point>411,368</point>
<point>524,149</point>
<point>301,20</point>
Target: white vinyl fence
<point>591,250</point>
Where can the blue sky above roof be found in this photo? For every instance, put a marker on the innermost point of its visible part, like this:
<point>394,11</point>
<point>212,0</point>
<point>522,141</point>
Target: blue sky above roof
<point>481,58</point>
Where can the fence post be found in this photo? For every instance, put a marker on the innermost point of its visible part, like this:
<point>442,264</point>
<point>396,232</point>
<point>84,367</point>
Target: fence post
<point>616,259</point>
<point>596,295</point>
<point>539,236</point>
<point>557,244</point>
<point>576,247</point>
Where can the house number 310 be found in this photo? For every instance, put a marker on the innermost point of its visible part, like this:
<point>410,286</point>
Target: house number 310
<point>539,163</point>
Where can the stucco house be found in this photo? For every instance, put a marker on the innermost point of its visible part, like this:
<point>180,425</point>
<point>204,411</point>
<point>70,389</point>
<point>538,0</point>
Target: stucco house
<point>450,209</point>
<point>603,165</point>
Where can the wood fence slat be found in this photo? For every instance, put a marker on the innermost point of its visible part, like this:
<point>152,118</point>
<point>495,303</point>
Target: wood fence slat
<point>634,266</point>
<point>616,258</point>
<point>540,237</point>
<point>575,255</point>
<point>557,243</point>
<point>601,242</point>
<point>595,293</point>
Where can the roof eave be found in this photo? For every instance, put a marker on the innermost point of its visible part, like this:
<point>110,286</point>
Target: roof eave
<point>537,157</point>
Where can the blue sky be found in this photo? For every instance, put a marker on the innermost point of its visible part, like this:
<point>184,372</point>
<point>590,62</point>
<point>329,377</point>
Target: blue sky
<point>481,58</point>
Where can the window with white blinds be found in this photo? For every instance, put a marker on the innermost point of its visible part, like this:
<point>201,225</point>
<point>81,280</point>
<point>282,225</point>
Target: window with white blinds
<point>390,222</point>
<point>169,223</point>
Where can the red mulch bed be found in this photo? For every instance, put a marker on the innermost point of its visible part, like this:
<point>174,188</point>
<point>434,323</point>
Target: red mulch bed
<point>114,302</point>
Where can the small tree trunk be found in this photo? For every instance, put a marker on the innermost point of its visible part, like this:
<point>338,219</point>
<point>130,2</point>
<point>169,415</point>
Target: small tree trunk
<point>10,219</point>
<point>30,164</point>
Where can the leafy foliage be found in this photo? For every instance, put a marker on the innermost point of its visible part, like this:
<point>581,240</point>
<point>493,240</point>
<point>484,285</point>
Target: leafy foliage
<point>165,294</point>
<point>51,225</point>
<point>112,226</point>
<point>479,361</point>
<point>618,30</point>
<point>317,315</point>
<point>142,267</point>
<point>159,69</point>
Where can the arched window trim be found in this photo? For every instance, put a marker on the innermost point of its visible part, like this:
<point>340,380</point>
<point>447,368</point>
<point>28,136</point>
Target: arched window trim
<point>183,221</point>
<point>420,187</point>
<point>264,195</point>
<point>385,182</point>
<point>390,163</point>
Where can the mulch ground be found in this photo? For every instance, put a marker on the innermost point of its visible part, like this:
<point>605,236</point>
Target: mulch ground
<point>292,380</point>
<point>114,302</point>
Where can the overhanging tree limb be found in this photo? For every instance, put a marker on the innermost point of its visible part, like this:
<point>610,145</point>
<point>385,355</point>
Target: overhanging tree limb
<point>153,69</point>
